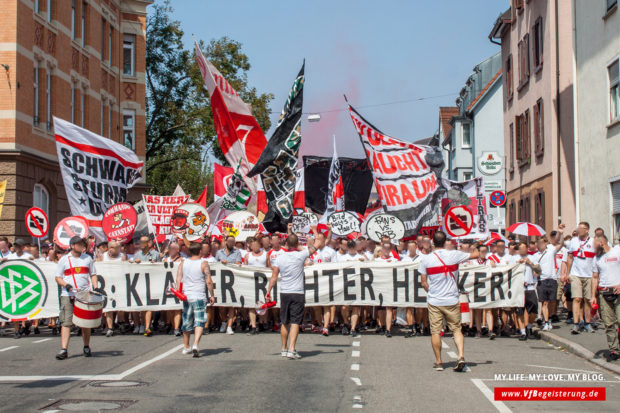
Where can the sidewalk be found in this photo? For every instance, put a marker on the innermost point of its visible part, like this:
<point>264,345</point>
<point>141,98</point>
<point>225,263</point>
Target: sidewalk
<point>590,346</point>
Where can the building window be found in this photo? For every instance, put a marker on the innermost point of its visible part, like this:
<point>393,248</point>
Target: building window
<point>524,60</point>
<point>37,6</point>
<point>102,39</point>
<point>110,121</point>
<point>101,117</point>
<point>48,99</point>
<point>82,107</point>
<point>129,54</point>
<point>512,217</point>
<point>539,128</point>
<point>611,4</point>
<point>538,43</point>
<point>509,77</point>
<point>466,142</point>
<point>49,11</point>
<point>110,43</point>
<point>466,176</point>
<point>41,198</point>
<point>614,97</point>
<point>35,111</point>
<point>539,209</point>
<point>72,102</point>
<point>512,147</point>
<point>129,129</point>
<point>73,18</point>
<point>84,30</point>
<point>523,137</point>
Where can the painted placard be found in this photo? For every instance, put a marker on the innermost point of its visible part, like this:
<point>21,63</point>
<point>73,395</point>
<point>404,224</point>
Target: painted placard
<point>381,225</point>
<point>119,222</point>
<point>344,223</point>
<point>191,219</point>
<point>241,225</point>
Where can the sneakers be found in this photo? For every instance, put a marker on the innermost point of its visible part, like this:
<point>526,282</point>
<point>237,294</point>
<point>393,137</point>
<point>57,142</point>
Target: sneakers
<point>186,351</point>
<point>438,367</point>
<point>345,330</point>
<point>492,335</point>
<point>195,351</point>
<point>177,332</point>
<point>293,355</point>
<point>569,320</point>
<point>325,332</point>
<point>223,327</point>
<point>87,352</point>
<point>142,330</point>
<point>109,333</point>
<point>284,352</point>
<point>460,365</point>
<point>588,328</point>
<point>253,331</point>
<point>148,332</point>
<point>230,331</point>
<point>136,330</point>
<point>62,354</point>
<point>523,337</point>
<point>388,333</point>
<point>355,334</point>
<point>575,329</point>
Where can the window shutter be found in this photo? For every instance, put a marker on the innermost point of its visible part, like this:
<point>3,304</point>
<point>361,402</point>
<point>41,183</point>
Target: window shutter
<point>615,194</point>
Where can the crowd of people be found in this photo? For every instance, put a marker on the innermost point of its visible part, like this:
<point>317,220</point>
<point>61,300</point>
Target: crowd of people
<point>573,275</point>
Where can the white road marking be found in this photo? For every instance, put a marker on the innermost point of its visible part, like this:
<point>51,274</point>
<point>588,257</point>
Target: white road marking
<point>357,398</point>
<point>357,406</point>
<point>42,341</point>
<point>355,353</point>
<point>356,344</point>
<point>355,366</point>
<point>500,406</point>
<point>444,345</point>
<point>453,354</point>
<point>8,348</point>
<point>356,381</point>
<point>102,377</point>
<point>560,368</point>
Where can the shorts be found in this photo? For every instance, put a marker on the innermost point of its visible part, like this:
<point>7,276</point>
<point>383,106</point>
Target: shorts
<point>292,307</point>
<point>66,311</point>
<point>580,287</point>
<point>531,303</point>
<point>547,290</point>
<point>450,313</point>
<point>194,315</point>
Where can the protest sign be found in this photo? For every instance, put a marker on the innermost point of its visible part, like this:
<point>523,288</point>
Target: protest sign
<point>159,210</point>
<point>380,225</point>
<point>303,222</point>
<point>68,228</point>
<point>191,219</point>
<point>37,223</point>
<point>344,223</point>
<point>464,208</point>
<point>119,222</point>
<point>241,225</point>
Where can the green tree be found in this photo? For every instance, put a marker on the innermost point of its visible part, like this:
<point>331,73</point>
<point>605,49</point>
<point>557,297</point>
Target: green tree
<point>180,135</point>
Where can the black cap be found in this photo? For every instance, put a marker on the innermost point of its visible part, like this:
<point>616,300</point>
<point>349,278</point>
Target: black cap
<point>77,240</point>
<point>20,242</point>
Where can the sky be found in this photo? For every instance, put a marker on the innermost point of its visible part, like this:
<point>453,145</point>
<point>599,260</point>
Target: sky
<point>417,53</point>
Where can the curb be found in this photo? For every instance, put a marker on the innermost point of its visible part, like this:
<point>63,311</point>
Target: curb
<point>579,350</point>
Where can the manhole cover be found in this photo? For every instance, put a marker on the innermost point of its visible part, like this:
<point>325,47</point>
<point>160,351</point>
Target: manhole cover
<point>78,405</point>
<point>117,384</point>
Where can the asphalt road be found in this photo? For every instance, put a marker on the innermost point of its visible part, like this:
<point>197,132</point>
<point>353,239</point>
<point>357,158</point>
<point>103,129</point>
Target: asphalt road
<point>246,374</point>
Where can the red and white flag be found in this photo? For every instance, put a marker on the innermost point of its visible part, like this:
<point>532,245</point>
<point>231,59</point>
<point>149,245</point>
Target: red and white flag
<point>221,179</point>
<point>97,172</point>
<point>335,189</point>
<point>238,132</point>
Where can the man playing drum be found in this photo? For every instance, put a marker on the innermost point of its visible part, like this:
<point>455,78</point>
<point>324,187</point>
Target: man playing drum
<point>72,274</point>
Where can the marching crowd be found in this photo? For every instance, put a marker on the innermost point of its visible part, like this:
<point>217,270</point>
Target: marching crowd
<point>577,275</point>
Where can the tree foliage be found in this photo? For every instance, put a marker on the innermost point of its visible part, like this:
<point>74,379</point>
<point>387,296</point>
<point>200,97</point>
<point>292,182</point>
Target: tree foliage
<point>180,135</point>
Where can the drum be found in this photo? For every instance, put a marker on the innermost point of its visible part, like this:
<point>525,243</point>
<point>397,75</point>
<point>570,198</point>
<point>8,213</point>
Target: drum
<point>87,309</point>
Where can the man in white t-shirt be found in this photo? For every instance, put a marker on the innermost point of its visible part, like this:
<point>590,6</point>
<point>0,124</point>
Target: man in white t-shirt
<point>579,265</point>
<point>606,282</point>
<point>439,272</point>
<point>500,256</point>
<point>74,272</point>
<point>290,266</point>
<point>20,253</point>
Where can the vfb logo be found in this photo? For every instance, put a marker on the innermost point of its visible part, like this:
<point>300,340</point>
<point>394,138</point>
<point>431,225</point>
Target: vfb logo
<point>23,289</point>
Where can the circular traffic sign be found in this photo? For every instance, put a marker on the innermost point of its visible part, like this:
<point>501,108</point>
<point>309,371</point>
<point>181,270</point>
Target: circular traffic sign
<point>68,228</point>
<point>119,222</point>
<point>458,221</point>
<point>26,289</point>
<point>497,198</point>
<point>37,223</point>
<point>191,219</point>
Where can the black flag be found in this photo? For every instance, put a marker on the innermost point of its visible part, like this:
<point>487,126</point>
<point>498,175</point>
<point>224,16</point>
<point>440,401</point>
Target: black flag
<point>278,162</point>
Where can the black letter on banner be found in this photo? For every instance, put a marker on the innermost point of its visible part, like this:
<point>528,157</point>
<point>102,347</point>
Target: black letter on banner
<point>461,281</point>
<point>149,301</point>
<point>345,276</point>
<point>366,277</point>
<point>167,283</point>
<point>314,286</point>
<point>497,279</point>
<point>131,289</point>
<point>417,285</point>
<point>228,279</point>
<point>400,284</point>
<point>330,274</point>
<point>260,284</point>
<point>478,285</point>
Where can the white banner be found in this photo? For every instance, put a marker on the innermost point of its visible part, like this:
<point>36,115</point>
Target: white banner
<point>97,172</point>
<point>29,289</point>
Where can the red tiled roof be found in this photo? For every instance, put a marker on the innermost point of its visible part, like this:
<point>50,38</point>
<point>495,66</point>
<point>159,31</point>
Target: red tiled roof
<point>445,115</point>
<point>483,91</point>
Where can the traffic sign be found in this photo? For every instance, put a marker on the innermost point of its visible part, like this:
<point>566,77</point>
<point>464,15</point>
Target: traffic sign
<point>70,227</point>
<point>119,222</point>
<point>497,198</point>
<point>458,221</point>
<point>37,223</point>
